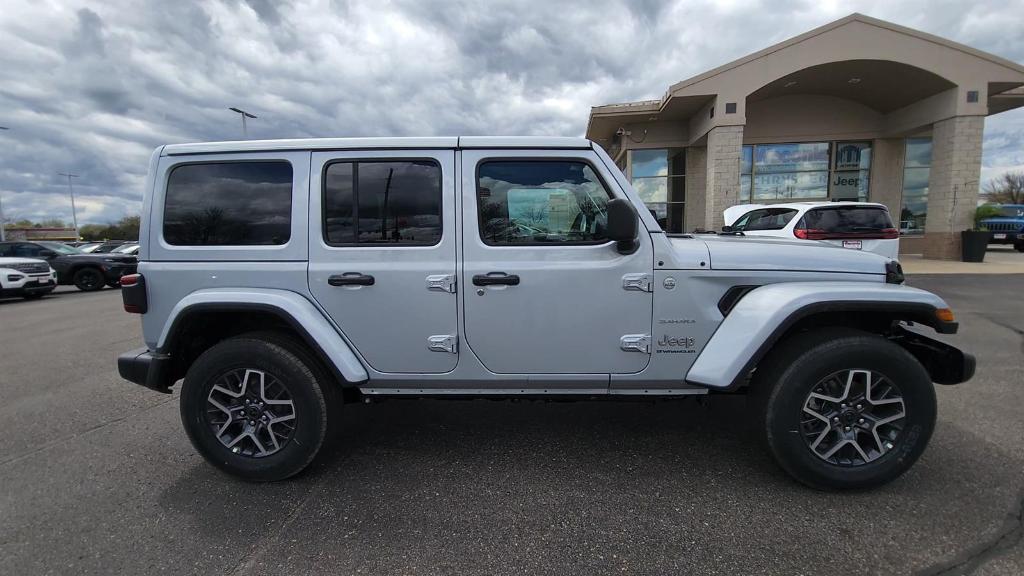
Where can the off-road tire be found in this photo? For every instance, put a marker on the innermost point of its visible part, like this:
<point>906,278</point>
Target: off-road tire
<point>89,279</point>
<point>305,383</point>
<point>782,384</point>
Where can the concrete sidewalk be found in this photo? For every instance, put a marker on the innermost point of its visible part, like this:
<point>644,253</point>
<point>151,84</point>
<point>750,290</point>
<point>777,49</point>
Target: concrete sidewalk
<point>998,260</point>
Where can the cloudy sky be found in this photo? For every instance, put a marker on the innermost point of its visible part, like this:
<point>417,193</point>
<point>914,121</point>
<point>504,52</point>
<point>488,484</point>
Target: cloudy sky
<point>92,87</point>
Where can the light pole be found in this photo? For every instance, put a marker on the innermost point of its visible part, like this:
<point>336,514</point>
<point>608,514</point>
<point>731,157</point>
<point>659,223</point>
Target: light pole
<point>245,132</point>
<point>71,190</point>
<point>3,225</point>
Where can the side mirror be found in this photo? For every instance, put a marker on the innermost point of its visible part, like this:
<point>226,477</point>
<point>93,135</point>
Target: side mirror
<point>622,225</point>
<point>47,254</point>
<point>728,229</point>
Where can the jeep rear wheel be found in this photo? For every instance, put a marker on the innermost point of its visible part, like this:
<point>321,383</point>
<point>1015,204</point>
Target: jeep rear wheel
<point>255,408</point>
<point>89,279</point>
<point>843,409</point>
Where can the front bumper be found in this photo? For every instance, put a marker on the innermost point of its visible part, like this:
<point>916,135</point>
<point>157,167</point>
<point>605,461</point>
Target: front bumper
<point>945,364</point>
<point>35,284</point>
<point>145,368</point>
<point>1006,237</point>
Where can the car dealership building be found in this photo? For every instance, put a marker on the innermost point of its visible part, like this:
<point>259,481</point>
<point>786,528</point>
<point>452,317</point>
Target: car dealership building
<point>859,109</point>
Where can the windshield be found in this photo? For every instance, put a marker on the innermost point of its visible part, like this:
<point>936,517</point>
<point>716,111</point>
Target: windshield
<point>60,248</point>
<point>125,248</point>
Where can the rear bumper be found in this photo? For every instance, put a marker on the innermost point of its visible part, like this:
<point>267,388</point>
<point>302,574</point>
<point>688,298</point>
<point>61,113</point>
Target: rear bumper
<point>145,368</point>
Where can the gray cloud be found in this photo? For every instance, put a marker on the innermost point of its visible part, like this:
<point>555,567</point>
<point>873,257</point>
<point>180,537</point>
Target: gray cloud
<point>92,88</point>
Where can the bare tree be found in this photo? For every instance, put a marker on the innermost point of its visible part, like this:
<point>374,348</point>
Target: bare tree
<point>1008,188</point>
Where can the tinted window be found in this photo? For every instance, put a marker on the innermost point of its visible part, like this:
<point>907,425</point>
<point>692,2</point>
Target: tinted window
<point>376,202</point>
<point>526,202</point>
<point>27,250</point>
<point>765,219</point>
<point>847,219</point>
<point>229,204</point>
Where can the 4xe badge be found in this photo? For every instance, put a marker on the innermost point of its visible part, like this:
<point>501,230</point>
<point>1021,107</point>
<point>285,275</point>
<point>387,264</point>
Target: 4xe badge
<point>675,345</point>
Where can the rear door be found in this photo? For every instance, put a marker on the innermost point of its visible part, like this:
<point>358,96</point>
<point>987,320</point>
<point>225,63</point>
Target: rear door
<point>382,254</point>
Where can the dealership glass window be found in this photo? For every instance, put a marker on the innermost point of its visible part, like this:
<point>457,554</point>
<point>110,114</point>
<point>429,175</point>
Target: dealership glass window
<point>917,162</point>
<point>851,171</point>
<point>228,204</point>
<point>659,177</point>
<point>787,171</point>
<point>541,202</point>
<point>383,202</point>
<point>803,171</point>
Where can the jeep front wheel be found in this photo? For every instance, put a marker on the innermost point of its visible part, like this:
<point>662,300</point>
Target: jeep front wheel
<point>255,408</point>
<point>844,409</point>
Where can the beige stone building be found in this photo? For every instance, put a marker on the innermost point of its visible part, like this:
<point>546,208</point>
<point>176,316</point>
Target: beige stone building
<point>858,109</point>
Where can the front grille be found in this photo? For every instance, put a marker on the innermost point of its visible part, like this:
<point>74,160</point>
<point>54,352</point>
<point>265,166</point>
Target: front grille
<point>30,267</point>
<point>1003,227</point>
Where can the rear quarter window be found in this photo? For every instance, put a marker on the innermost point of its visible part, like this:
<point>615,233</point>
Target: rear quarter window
<point>229,204</point>
<point>765,219</point>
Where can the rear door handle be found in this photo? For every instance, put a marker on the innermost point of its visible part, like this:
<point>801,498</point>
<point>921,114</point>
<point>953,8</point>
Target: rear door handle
<point>351,279</point>
<point>496,279</point>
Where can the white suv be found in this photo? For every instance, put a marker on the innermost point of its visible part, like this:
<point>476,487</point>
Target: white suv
<point>855,225</point>
<point>26,277</point>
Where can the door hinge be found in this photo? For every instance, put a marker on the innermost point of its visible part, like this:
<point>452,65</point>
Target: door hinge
<point>640,282</point>
<point>441,282</point>
<point>636,343</point>
<point>444,343</point>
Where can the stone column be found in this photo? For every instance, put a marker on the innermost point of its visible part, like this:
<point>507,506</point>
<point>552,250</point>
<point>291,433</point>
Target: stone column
<point>723,173</point>
<point>952,184</point>
<point>696,190</point>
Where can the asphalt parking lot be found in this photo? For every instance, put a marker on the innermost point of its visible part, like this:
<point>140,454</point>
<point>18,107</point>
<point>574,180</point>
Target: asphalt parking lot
<point>98,476</point>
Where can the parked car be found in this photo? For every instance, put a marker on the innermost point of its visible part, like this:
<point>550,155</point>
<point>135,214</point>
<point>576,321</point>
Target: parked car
<point>87,272</point>
<point>506,267</point>
<point>1008,228</point>
<point>129,249</point>
<point>26,277</point>
<point>856,225</point>
<point>111,246</point>
<point>88,247</point>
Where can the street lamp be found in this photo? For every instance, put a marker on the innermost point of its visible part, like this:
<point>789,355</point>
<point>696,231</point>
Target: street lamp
<point>71,190</point>
<point>3,226</point>
<point>245,133</point>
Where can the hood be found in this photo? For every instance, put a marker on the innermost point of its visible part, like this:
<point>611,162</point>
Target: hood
<point>768,253</point>
<point>6,260</point>
<point>1004,220</point>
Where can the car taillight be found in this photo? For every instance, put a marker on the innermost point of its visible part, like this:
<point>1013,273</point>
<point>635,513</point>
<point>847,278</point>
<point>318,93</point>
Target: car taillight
<point>817,234</point>
<point>133,294</point>
<point>810,234</point>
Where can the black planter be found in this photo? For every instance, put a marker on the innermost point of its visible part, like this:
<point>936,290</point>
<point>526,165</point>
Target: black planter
<point>973,244</point>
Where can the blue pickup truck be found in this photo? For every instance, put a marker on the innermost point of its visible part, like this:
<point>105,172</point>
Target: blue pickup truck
<point>1008,227</point>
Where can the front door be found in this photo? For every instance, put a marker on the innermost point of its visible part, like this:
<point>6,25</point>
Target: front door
<point>382,254</point>
<point>544,291</point>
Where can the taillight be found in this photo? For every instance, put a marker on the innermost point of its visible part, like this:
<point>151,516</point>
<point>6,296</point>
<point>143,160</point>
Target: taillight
<point>133,294</point>
<point>810,234</point>
<point>817,234</point>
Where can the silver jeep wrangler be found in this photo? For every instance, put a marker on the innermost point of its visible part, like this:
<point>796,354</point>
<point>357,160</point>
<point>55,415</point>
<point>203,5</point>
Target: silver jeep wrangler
<point>282,278</point>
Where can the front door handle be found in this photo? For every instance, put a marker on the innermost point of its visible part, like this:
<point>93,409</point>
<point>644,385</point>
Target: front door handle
<point>496,279</point>
<point>351,279</point>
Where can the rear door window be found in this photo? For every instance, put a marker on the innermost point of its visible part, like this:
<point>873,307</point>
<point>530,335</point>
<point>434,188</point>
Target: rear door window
<point>229,204</point>
<point>765,219</point>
